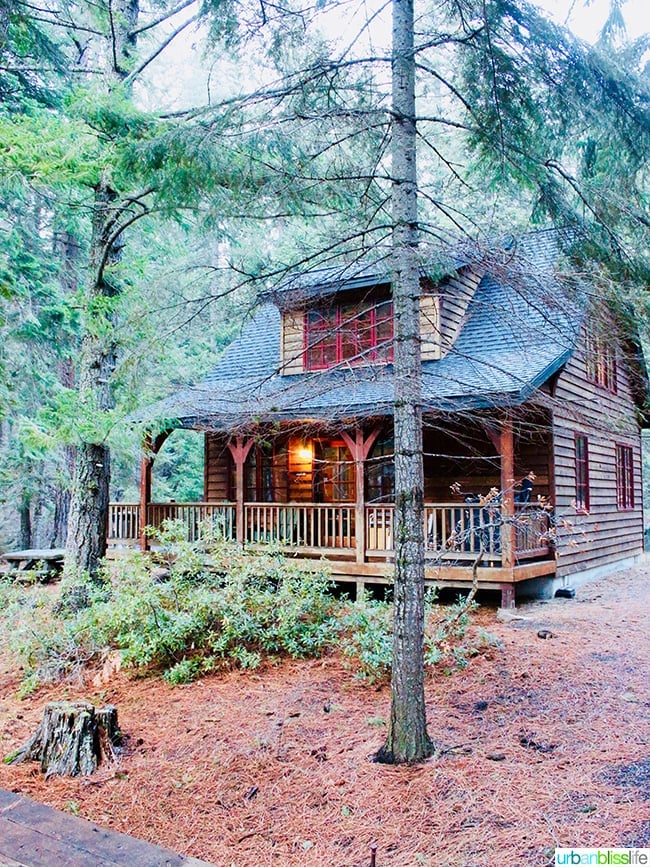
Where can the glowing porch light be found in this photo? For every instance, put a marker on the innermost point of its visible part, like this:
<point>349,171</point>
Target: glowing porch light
<point>305,452</point>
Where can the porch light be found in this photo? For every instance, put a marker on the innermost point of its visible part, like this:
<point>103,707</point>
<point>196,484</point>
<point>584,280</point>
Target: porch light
<point>305,452</point>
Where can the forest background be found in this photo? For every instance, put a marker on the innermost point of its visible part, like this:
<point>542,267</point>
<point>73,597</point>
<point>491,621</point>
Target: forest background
<point>262,155</point>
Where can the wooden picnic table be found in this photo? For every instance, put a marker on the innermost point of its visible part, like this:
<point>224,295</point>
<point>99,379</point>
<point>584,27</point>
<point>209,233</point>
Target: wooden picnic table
<point>47,561</point>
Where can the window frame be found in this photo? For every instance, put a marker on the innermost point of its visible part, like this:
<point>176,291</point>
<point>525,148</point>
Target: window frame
<point>345,324</point>
<point>601,364</point>
<point>624,477</point>
<point>583,493</point>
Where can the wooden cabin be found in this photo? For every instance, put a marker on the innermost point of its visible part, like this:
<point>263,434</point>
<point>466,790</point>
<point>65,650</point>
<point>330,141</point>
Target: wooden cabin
<point>533,404</point>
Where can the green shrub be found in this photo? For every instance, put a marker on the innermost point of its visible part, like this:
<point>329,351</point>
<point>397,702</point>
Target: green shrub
<point>184,623</point>
<point>367,637</point>
<point>367,640</point>
<point>185,620</point>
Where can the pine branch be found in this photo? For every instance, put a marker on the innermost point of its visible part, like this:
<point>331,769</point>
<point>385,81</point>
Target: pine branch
<point>162,18</point>
<point>132,75</point>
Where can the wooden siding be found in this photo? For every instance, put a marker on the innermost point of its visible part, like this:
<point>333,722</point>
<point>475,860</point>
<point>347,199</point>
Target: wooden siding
<point>430,326</point>
<point>456,294</point>
<point>605,534</point>
<point>217,462</point>
<point>292,342</point>
<point>533,454</point>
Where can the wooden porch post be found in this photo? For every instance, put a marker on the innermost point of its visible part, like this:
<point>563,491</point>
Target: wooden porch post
<point>150,448</point>
<point>359,449</point>
<point>507,508</point>
<point>146,466</point>
<point>239,450</point>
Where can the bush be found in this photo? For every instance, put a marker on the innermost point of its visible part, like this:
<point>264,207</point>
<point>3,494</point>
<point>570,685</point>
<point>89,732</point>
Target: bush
<point>367,637</point>
<point>367,640</point>
<point>247,607</point>
<point>185,620</point>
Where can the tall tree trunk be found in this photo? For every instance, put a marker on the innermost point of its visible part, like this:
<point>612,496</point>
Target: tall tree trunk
<point>66,247</point>
<point>408,740</point>
<point>88,516</point>
<point>25,518</point>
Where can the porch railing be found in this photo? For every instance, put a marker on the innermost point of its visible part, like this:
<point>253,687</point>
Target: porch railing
<point>461,531</point>
<point>124,519</point>
<point>453,531</point>
<point>123,523</point>
<point>195,516</point>
<point>315,526</point>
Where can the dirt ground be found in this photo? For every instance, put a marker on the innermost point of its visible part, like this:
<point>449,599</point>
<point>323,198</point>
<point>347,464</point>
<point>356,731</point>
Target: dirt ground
<point>540,743</point>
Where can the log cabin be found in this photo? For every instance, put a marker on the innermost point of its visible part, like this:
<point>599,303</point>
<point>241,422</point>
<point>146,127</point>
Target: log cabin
<point>534,398</point>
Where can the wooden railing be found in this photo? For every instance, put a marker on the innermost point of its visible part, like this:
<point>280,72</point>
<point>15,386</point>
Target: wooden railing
<point>123,523</point>
<point>452,531</point>
<point>196,517</point>
<point>313,526</point>
<point>462,531</point>
<point>532,531</point>
<point>124,519</point>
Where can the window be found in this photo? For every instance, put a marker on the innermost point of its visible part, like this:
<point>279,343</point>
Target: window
<point>582,473</point>
<point>600,358</point>
<point>624,477</point>
<point>334,480</point>
<point>380,471</point>
<point>264,481</point>
<point>354,332</point>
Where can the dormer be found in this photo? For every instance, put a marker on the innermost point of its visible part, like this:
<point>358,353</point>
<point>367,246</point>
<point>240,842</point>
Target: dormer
<point>339,323</point>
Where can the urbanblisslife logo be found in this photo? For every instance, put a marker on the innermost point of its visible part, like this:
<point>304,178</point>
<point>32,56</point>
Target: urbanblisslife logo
<point>604,856</point>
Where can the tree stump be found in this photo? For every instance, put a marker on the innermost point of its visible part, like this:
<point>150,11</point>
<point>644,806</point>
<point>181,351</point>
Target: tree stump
<point>72,739</point>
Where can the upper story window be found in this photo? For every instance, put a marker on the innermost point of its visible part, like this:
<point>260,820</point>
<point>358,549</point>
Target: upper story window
<point>358,332</point>
<point>600,358</point>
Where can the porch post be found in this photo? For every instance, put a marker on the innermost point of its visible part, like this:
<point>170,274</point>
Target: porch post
<point>150,448</point>
<point>146,466</point>
<point>239,450</point>
<point>359,449</point>
<point>507,495</point>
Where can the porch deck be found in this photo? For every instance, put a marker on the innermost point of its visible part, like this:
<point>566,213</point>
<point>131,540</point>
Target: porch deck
<point>358,543</point>
<point>33,835</point>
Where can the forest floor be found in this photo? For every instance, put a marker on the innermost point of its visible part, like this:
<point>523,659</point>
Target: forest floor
<point>541,742</point>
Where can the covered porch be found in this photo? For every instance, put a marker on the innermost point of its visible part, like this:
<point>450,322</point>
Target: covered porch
<point>329,493</point>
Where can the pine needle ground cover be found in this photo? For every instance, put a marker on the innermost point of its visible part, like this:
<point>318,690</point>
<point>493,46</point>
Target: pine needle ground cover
<point>540,742</point>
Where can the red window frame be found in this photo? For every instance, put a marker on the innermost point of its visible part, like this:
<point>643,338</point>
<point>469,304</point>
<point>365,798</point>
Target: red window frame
<point>600,360</point>
<point>581,445</point>
<point>356,333</point>
<point>624,477</point>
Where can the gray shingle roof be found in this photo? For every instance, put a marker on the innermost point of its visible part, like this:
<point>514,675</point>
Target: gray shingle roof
<point>516,333</point>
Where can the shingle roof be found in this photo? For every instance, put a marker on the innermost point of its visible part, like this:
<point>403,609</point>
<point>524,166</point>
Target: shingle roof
<point>363,272</point>
<point>517,332</point>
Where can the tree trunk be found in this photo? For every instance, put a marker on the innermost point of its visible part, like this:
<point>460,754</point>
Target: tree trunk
<point>88,516</point>
<point>72,739</point>
<point>66,248</point>
<point>62,497</point>
<point>25,517</point>
<point>407,739</point>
